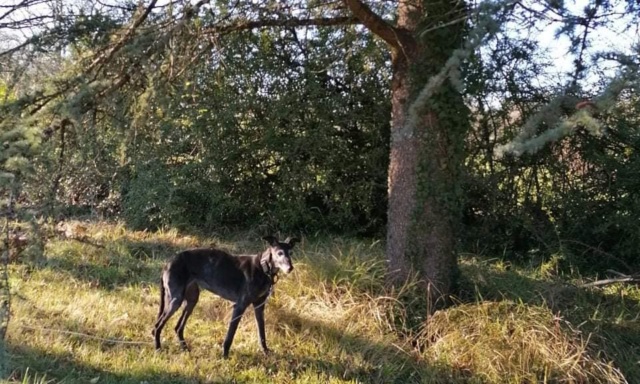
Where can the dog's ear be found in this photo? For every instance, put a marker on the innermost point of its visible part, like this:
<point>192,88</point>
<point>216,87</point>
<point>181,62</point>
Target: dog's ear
<point>292,241</point>
<point>273,241</point>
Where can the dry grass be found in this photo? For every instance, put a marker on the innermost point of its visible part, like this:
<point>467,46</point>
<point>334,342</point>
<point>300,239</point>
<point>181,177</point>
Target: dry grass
<point>508,342</point>
<point>83,312</point>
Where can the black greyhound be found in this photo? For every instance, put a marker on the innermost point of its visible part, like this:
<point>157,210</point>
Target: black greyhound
<point>243,279</point>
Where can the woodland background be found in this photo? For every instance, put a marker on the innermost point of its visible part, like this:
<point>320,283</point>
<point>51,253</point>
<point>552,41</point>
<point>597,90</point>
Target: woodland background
<point>214,118</point>
<point>288,128</point>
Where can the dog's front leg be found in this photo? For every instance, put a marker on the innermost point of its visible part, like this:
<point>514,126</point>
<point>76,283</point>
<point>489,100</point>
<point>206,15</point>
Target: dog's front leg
<point>238,310</point>
<point>258,309</point>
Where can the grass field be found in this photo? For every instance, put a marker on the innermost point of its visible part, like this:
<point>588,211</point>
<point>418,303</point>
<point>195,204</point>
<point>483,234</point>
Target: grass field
<point>82,312</point>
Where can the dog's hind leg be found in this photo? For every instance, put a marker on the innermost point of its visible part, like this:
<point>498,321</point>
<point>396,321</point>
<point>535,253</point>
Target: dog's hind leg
<point>172,301</point>
<point>191,295</point>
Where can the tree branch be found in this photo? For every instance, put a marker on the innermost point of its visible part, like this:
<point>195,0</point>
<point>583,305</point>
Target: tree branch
<point>622,278</point>
<point>246,25</point>
<point>15,7</point>
<point>130,31</point>
<point>376,24</point>
<point>16,48</point>
<point>599,283</point>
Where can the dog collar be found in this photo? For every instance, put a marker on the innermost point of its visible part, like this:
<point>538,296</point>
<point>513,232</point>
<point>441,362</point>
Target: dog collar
<point>266,268</point>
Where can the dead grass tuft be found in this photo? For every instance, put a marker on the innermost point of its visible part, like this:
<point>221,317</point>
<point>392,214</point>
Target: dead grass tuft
<point>505,342</point>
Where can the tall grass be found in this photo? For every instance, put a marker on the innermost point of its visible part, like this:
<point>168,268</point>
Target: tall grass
<point>83,312</point>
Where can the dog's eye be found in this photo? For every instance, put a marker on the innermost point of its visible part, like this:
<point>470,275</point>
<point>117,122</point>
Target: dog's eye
<point>280,253</point>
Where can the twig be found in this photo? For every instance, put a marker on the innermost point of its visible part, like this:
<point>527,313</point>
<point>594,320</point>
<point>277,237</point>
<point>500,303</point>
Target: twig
<point>622,278</point>
<point>617,273</point>
<point>85,335</point>
<point>599,283</point>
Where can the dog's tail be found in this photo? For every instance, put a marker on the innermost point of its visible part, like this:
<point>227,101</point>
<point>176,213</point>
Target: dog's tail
<point>161,311</point>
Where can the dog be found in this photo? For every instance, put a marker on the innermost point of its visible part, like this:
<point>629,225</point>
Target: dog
<point>243,279</point>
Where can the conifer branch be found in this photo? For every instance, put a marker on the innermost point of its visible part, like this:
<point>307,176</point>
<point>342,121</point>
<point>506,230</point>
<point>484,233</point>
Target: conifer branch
<point>551,115</point>
<point>289,23</point>
<point>125,38</point>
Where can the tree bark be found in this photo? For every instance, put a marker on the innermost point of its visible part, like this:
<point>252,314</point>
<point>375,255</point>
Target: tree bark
<point>425,158</point>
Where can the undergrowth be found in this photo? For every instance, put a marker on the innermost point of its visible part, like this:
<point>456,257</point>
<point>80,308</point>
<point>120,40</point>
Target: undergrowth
<point>82,312</point>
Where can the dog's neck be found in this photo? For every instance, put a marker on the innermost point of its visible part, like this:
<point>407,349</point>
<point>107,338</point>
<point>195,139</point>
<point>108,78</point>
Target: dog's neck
<point>267,265</point>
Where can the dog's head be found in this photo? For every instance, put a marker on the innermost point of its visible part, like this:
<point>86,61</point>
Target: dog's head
<point>281,252</point>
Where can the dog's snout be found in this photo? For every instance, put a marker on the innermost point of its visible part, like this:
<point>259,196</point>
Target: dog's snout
<point>289,269</point>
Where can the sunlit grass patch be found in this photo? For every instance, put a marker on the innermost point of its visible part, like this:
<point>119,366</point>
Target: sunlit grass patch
<point>607,317</point>
<point>508,342</point>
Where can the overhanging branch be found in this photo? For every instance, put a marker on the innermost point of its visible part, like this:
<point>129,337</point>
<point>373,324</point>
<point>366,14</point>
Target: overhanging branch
<point>126,37</point>
<point>376,24</point>
<point>290,23</point>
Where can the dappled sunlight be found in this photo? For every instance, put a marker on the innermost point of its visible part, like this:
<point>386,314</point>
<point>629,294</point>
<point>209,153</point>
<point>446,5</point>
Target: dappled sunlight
<point>83,311</point>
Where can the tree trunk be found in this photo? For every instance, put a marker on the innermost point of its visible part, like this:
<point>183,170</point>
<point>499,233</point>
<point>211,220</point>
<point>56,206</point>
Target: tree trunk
<point>426,156</point>
<point>420,232</point>
<point>425,163</point>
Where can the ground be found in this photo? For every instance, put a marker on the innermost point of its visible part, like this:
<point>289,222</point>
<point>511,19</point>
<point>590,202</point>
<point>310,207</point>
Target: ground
<point>83,311</point>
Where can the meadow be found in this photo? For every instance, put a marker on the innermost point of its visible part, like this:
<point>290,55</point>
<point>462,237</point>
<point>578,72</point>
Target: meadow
<point>82,311</point>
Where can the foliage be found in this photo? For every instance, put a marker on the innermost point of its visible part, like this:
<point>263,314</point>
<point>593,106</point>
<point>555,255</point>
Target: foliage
<point>182,124</point>
<point>164,128</point>
<point>225,145</point>
<point>571,198</point>
<point>185,116</point>
<point>17,143</point>
<point>561,189</point>
<point>265,156</point>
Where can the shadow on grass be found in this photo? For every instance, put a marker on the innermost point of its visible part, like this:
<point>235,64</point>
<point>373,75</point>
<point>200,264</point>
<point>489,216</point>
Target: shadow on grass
<point>115,259</point>
<point>337,356</point>
<point>358,359</point>
<point>26,363</point>
<point>63,367</point>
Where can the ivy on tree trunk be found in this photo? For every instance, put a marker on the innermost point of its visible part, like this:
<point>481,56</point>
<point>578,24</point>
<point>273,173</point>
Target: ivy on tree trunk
<point>425,155</point>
